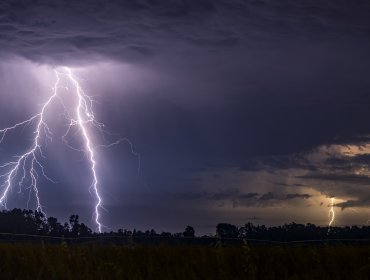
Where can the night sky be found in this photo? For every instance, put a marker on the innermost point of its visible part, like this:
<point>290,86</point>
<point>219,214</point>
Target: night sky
<point>241,110</point>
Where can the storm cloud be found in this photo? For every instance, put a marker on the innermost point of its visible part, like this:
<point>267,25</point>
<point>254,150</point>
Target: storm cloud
<point>237,108</point>
<point>74,31</point>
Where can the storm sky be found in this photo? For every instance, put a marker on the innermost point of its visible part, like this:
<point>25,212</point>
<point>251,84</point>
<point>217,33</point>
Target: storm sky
<point>241,110</point>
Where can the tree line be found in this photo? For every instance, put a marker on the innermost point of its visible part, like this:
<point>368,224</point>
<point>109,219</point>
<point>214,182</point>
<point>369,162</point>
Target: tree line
<point>18,221</point>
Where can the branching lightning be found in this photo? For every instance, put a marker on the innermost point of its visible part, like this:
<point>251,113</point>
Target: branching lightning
<point>331,213</point>
<point>28,167</point>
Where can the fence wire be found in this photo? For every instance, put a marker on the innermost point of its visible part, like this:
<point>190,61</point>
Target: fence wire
<point>147,239</point>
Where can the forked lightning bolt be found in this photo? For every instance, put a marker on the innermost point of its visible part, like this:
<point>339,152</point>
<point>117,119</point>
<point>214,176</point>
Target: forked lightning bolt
<point>28,166</point>
<point>331,213</point>
<point>85,115</point>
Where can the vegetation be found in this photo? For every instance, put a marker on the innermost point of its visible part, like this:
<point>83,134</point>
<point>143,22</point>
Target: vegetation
<point>28,222</point>
<point>35,247</point>
<point>41,261</point>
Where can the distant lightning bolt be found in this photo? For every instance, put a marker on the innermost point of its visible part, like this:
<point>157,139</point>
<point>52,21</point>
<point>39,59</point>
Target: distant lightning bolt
<point>331,213</point>
<point>28,166</point>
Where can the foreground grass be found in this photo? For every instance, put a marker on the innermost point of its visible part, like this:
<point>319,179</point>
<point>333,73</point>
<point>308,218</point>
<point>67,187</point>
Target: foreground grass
<point>33,261</point>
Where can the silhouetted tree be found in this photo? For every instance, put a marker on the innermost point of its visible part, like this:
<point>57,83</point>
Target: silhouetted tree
<point>166,234</point>
<point>189,232</point>
<point>78,229</point>
<point>225,230</point>
<point>55,228</point>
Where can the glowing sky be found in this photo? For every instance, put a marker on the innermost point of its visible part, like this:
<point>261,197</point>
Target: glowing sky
<point>240,110</point>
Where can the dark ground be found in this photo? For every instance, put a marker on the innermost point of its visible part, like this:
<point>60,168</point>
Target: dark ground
<point>62,261</point>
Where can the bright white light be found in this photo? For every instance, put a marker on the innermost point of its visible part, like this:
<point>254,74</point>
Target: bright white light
<point>331,213</point>
<point>28,166</point>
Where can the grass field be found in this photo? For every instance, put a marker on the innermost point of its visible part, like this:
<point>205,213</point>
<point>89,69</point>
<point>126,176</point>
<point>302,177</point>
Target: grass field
<point>37,261</point>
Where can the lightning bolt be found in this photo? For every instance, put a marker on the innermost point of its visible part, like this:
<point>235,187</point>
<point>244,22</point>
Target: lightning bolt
<point>331,213</point>
<point>28,166</point>
<point>85,115</point>
<point>31,156</point>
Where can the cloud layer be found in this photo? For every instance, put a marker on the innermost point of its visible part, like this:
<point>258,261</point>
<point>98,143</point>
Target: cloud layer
<point>65,32</point>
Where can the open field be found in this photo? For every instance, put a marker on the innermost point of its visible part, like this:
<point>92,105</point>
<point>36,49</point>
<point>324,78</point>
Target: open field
<point>45,261</point>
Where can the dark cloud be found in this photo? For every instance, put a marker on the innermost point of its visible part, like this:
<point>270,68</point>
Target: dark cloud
<point>354,203</point>
<point>248,195</point>
<point>60,31</point>
<point>345,163</point>
<point>290,185</point>
<point>287,162</point>
<point>238,199</point>
<point>267,196</point>
<point>349,178</point>
<point>297,195</point>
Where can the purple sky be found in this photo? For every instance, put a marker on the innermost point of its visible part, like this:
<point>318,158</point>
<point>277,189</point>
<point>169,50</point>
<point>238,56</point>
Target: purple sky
<point>241,110</point>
